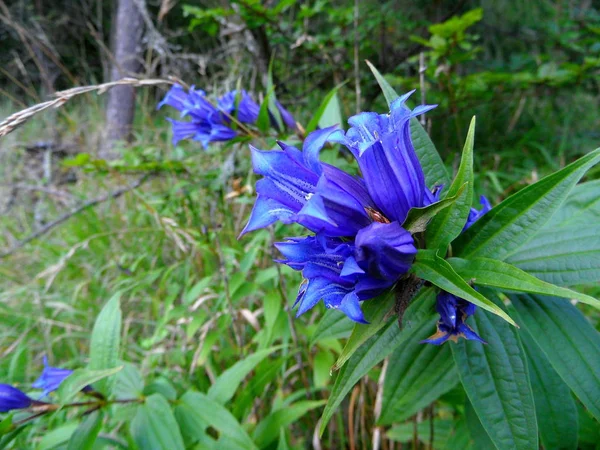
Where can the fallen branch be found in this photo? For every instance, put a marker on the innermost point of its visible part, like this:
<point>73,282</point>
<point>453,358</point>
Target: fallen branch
<point>51,225</point>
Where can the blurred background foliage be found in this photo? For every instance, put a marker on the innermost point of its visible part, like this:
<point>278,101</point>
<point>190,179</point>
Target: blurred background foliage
<point>195,298</point>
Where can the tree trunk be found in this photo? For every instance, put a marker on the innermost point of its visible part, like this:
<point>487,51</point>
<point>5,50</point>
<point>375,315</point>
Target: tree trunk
<point>126,39</point>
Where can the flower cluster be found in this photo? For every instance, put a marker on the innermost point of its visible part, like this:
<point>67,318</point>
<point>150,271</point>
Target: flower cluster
<point>213,123</point>
<point>453,310</point>
<point>360,248</point>
<point>12,398</point>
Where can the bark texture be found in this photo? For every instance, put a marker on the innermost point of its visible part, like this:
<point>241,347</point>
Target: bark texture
<point>127,30</point>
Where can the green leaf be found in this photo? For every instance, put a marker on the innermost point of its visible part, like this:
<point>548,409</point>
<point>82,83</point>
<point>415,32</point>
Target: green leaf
<point>569,342</point>
<point>333,325</point>
<point>404,433</point>
<point>419,315</point>
<point>86,433</point>
<point>566,249</point>
<point>429,266</point>
<point>480,437</point>
<point>154,427</point>
<point>447,225</point>
<point>433,167</point>
<point>554,406</point>
<point>498,274</point>
<point>495,378</point>
<point>376,311</point>
<point>514,221</point>
<point>314,122</point>
<point>264,121</point>
<point>205,410</point>
<point>54,438</point>
<point>268,428</point>
<point>81,378</point>
<point>332,114</point>
<point>271,100</point>
<point>322,363</point>
<point>106,339</point>
<point>417,375</point>
<point>224,387</point>
<point>418,218</point>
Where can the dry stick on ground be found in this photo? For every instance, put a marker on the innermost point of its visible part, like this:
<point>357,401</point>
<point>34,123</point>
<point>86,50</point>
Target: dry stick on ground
<point>51,225</point>
<point>9,124</point>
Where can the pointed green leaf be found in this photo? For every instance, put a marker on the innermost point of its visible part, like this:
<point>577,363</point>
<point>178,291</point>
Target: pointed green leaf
<point>224,387</point>
<point>271,100</point>
<point>314,122</point>
<point>376,312</point>
<point>417,375</point>
<point>568,341</point>
<point>418,218</point>
<point>439,272</point>
<point>86,433</point>
<point>106,339</point>
<point>154,427</point>
<point>496,380</point>
<point>264,121</point>
<point>419,315</point>
<point>480,437</point>
<point>332,115</point>
<point>448,224</point>
<point>206,412</point>
<point>554,406</point>
<point>333,325</point>
<point>267,430</point>
<point>81,378</point>
<point>433,167</point>
<point>514,221</point>
<point>498,274</point>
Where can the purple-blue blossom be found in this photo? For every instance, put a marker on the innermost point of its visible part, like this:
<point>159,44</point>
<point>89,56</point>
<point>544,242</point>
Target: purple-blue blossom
<point>360,248</point>
<point>51,378</point>
<point>12,398</point>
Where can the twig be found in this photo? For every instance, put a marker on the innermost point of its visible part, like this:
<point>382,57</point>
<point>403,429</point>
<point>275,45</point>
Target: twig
<point>422,69</point>
<point>13,121</point>
<point>376,443</point>
<point>51,225</point>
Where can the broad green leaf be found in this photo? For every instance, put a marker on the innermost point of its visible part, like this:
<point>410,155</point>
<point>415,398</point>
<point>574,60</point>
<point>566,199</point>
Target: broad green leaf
<point>449,223</point>
<point>496,380</point>
<point>498,274</point>
<point>128,383</point>
<point>429,266</point>
<point>514,221</point>
<point>376,311</point>
<point>86,433</point>
<point>554,406</point>
<point>268,428</point>
<point>433,167</point>
<point>589,428</point>
<point>154,427</point>
<point>417,375</point>
<point>206,411</point>
<point>332,114</point>
<point>476,431</point>
<point>569,342</point>
<point>460,438</point>
<point>418,218</point>
<point>566,250</point>
<point>224,387</point>
<point>314,122</point>
<point>56,437</point>
<point>419,315</point>
<point>106,339</point>
<point>81,378</point>
<point>333,325</point>
<point>322,363</point>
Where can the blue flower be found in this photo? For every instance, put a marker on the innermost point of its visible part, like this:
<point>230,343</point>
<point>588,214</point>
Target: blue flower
<point>360,248</point>
<point>286,117</point>
<point>51,378</point>
<point>475,215</point>
<point>453,310</point>
<point>247,109</point>
<point>12,398</point>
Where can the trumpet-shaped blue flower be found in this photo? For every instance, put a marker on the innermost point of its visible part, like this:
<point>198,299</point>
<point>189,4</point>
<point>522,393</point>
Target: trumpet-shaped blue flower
<point>454,310</point>
<point>51,378</point>
<point>360,248</point>
<point>12,398</point>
